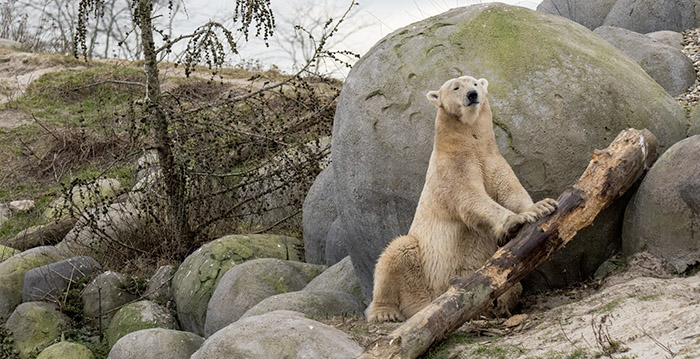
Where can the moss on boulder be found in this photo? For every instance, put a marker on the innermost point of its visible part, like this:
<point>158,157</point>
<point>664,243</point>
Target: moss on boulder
<point>199,274</point>
<point>12,272</point>
<point>35,326</point>
<point>65,350</point>
<point>136,316</point>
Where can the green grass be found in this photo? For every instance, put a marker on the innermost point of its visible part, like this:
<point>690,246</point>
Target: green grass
<point>83,97</point>
<point>441,349</point>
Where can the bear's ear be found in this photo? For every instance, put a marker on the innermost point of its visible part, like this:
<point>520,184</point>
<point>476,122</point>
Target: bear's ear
<point>484,83</point>
<point>434,97</point>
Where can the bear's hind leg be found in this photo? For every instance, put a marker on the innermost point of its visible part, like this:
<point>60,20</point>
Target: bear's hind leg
<point>397,260</point>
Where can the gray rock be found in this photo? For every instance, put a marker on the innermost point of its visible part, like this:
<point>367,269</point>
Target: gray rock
<point>340,277</point>
<point>318,213</point>
<point>589,13</point>
<point>137,316</point>
<point>160,286</point>
<point>109,288</point>
<point>279,334</point>
<point>545,127</point>
<point>667,65</point>
<point>50,281</point>
<point>156,343</point>
<point>35,326</point>
<point>670,38</point>
<point>314,304</point>
<point>336,249</point>
<point>21,205</point>
<point>663,217</point>
<point>644,16</point>
<point>249,283</point>
<point>199,274</point>
<point>41,235</point>
<point>12,271</point>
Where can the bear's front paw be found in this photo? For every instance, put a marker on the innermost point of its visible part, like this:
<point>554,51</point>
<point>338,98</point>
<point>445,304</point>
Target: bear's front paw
<point>512,225</point>
<point>384,314</point>
<point>544,207</point>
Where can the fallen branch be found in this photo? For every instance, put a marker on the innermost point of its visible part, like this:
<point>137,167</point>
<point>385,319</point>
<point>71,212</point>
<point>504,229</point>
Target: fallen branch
<point>610,173</point>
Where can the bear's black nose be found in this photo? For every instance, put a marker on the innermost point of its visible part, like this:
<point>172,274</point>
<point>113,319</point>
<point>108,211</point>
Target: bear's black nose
<point>472,96</point>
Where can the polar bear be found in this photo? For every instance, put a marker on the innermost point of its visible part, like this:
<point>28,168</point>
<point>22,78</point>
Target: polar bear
<point>471,203</point>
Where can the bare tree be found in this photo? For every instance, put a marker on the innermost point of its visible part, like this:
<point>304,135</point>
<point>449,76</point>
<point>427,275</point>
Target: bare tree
<point>199,149</point>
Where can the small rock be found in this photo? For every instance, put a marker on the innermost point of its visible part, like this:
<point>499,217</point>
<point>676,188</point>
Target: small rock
<point>109,286</point>
<point>5,213</point>
<point>41,235</point>
<point>313,304</point>
<point>341,277</point>
<point>21,206</point>
<point>159,286</point>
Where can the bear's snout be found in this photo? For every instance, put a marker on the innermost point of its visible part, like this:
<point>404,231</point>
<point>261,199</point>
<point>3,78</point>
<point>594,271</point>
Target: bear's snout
<point>472,98</point>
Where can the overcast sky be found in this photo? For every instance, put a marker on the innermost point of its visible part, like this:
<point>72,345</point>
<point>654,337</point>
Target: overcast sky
<point>372,20</point>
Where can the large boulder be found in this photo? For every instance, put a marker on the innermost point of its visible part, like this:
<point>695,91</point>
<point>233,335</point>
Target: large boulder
<point>137,316</point>
<point>314,304</point>
<point>645,16</point>
<point>12,272</point>
<point>663,217</point>
<point>279,334</point>
<point>199,274</point>
<point>35,326</point>
<point>668,65</point>
<point>670,38</point>
<point>104,295</point>
<point>318,213</point>
<point>566,93</point>
<point>589,13</point>
<point>50,281</point>
<point>65,350</point>
<point>249,283</point>
<point>694,128</point>
<point>156,343</point>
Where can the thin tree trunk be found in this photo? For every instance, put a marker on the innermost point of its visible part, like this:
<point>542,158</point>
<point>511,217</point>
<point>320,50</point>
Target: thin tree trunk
<point>610,173</point>
<point>172,173</point>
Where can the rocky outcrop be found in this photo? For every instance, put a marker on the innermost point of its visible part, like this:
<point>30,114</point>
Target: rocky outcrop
<point>546,124</point>
<point>663,217</point>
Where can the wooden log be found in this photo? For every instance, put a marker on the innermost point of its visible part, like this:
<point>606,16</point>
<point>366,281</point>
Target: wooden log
<point>609,174</point>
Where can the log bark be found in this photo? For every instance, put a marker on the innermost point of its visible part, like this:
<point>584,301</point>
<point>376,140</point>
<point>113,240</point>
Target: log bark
<point>609,174</point>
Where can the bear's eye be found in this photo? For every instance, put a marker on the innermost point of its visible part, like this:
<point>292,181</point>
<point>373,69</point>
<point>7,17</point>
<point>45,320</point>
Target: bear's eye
<point>475,84</point>
<point>456,88</point>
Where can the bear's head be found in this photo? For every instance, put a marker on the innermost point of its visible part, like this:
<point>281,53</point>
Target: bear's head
<point>462,97</point>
